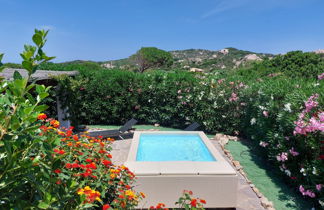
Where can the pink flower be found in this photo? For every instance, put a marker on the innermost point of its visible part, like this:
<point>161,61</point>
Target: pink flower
<point>302,189</point>
<point>321,76</point>
<point>321,116</point>
<point>293,152</point>
<point>310,193</point>
<point>314,123</point>
<point>282,157</point>
<point>265,113</point>
<point>311,102</point>
<point>220,81</point>
<point>233,97</point>
<point>319,187</point>
<point>179,91</point>
<point>306,192</point>
<point>263,144</point>
<point>241,85</point>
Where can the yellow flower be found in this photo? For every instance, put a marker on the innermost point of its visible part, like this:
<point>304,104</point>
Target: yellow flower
<point>112,176</point>
<point>87,188</point>
<point>80,192</point>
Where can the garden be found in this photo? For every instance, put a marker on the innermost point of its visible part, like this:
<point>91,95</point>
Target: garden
<point>276,104</point>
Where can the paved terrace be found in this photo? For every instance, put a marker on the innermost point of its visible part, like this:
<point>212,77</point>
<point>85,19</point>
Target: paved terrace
<point>246,198</point>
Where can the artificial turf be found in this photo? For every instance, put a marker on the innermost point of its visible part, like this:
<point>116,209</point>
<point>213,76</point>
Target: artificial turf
<point>265,178</point>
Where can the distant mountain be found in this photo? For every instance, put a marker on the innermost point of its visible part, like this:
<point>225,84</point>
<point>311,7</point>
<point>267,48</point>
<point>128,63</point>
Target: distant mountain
<point>205,60</point>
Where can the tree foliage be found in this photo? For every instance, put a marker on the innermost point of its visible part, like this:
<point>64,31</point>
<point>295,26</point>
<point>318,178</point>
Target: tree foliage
<point>294,64</point>
<point>150,57</point>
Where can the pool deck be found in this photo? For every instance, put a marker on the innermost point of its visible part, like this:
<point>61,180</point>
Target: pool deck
<point>246,197</point>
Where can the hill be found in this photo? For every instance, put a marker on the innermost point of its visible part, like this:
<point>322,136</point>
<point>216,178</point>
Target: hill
<point>227,58</point>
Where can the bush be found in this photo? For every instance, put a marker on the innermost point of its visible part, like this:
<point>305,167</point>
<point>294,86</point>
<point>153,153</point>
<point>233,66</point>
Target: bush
<point>293,64</point>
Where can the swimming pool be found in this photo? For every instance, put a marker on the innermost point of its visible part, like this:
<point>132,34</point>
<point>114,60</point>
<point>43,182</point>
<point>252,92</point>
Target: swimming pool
<point>168,162</point>
<point>172,147</point>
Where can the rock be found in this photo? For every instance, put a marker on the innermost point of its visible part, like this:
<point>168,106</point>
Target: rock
<point>237,164</point>
<point>156,124</point>
<point>252,57</point>
<point>223,141</point>
<point>218,136</point>
<point>196,70</point>
<point>233,138</point>
<point>257,192</point>
<point>226,151</point>
<point>266,203</point>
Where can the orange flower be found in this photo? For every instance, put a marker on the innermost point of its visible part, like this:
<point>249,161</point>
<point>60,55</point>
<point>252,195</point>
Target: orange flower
<point>106,162</point>
<point>76,138</point>
<point>41,116</point>
<point>91,195</point>
<point>105,207</point>
<point>193,202</point>
<point>60,152</point>
<point>160,205</point>
<point>142,194</point>
<point>57,171</point>
<point>203,201</point>
<point>55,123</point>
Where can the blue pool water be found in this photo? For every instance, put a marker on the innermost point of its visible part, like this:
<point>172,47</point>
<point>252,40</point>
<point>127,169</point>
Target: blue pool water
<point>172,147</point>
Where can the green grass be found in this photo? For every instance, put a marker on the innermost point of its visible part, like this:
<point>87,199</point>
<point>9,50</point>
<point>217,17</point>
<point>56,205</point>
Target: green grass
<point>265,178</point>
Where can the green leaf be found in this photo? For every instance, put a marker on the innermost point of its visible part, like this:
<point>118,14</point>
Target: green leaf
<point>40,88</point>
<point>37,39</point>
<point>17,75</point>
<point>43,205</point>
<point>43,95</point>
<point>28,66</point>
<point>41,108</point>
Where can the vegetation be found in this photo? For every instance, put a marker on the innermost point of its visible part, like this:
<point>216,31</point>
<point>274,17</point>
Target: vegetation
<point>262,104</point>
<point>151,57</point>
<point>44,167</point>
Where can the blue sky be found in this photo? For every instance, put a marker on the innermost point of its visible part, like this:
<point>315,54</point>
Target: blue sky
<point>104,29</point>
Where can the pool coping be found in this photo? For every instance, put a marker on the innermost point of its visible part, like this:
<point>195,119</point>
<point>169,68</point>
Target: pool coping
<point>203,168</point>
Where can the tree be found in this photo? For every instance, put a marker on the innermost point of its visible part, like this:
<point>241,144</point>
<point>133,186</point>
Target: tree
<point>149,57</point>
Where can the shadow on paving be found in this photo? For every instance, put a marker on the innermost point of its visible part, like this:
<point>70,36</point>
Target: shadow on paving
<point>265,177</point>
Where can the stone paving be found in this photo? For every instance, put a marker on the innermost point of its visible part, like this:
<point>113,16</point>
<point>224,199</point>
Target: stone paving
<point>246,197</point>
